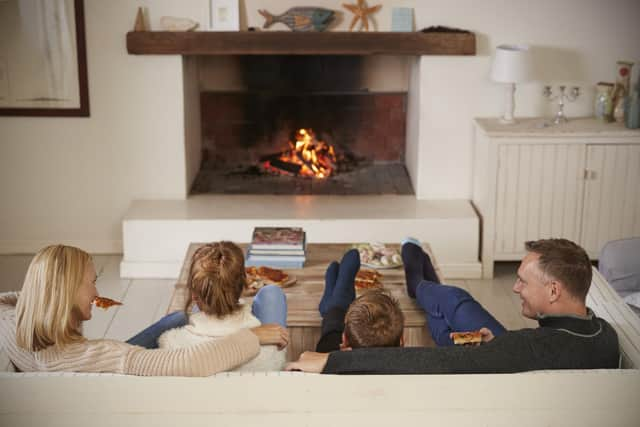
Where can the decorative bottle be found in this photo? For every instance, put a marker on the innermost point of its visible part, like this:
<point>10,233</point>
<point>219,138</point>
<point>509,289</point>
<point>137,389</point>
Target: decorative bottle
<point>621,89</point>
<point>632,108</point>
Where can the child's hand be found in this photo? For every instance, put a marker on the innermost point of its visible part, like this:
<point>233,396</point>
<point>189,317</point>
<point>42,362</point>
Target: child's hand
<point>272,334</point>
<point>487,335</point>
<point>309,361</point>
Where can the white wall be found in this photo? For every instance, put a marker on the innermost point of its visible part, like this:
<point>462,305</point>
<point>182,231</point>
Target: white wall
<point>71,180</point>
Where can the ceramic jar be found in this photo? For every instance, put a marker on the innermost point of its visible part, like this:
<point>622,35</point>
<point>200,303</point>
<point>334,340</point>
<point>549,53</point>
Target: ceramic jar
<point>604,102</point>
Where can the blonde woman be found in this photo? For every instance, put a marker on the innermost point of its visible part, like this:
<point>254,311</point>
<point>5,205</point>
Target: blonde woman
<point>43,331</point>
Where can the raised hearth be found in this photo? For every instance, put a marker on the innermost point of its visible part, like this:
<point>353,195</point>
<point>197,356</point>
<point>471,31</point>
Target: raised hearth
<point>158,232</point>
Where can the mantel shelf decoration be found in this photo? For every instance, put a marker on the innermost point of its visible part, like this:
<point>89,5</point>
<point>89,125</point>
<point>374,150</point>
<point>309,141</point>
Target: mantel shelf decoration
<point>301,18</point>
<point>361,13</point>
<point>300,43</point>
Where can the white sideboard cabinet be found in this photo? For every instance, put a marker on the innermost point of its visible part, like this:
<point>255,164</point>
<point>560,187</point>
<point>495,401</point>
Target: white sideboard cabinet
<point>579,180</point>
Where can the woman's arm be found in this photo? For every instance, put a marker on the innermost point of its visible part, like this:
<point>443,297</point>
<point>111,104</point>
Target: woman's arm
<point>196,361</point>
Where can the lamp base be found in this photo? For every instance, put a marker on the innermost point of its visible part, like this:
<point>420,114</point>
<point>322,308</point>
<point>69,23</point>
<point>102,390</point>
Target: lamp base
<point>507,121</point>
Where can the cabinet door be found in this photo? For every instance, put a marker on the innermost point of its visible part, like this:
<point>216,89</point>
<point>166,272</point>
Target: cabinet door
<point>612,195</point>
<point>539,195</point>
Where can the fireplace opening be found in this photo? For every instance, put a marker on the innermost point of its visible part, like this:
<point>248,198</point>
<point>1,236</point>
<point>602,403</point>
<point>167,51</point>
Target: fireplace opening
<point>302,126</point>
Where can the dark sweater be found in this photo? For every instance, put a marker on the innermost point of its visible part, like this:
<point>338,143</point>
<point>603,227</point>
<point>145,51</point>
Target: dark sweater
<point>561,342</point>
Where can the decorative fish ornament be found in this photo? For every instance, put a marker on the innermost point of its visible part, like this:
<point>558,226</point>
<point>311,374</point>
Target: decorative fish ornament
<point>301,18</point>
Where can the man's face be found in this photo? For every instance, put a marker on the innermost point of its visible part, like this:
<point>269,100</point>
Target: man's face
<point>532,287</point>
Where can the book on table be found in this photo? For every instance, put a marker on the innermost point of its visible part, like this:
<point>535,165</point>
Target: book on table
<point>278,238</point>
<point>273,263</point>
<point>275,252</point>
<point>275,258</point>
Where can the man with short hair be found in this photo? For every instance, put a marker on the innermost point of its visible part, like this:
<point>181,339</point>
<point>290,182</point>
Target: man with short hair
<point>553,281</point>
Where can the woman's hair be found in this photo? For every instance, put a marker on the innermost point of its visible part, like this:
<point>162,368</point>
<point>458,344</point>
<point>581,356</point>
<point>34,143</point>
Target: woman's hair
<point>374,319</point>
<point>45,306</point>
<point>217,278</point>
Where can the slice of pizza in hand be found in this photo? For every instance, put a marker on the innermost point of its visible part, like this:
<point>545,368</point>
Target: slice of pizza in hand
<point>104,302</point>
<point>465,338</point>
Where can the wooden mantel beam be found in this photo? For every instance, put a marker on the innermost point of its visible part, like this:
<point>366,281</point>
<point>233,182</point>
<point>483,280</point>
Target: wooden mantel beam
<point>290,43</point>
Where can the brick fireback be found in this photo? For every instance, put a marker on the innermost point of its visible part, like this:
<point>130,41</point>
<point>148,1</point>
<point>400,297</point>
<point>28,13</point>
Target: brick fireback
<point>240,127</point>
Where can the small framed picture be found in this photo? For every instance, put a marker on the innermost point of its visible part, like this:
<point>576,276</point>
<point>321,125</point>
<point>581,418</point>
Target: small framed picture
<point>225,15</point>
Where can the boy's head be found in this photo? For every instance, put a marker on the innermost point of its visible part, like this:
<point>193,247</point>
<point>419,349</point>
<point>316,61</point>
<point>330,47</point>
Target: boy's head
<point>373,320</point>
<point>217,277</point>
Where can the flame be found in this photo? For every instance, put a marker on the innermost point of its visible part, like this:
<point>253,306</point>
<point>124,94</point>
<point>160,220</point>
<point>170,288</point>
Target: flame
<point>316,158</point>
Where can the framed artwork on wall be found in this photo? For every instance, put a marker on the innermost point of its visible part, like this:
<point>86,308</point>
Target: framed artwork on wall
<point>225,15</point>
<point>43,60</point>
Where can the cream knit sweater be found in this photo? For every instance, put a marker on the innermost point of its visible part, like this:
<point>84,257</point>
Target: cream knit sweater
<point>118,357</point>
<point>203,328</point>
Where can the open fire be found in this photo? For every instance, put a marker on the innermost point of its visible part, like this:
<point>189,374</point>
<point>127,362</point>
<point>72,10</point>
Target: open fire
<point>307,156</point>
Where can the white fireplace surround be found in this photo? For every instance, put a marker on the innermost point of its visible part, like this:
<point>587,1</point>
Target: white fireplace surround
<point>156,233</point>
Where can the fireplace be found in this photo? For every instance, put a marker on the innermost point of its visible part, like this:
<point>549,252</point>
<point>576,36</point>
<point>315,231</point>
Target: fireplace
<point>156,233</point>
<point>248,135</point>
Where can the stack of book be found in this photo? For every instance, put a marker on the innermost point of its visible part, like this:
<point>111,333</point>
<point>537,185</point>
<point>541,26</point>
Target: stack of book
<point>277,247</point>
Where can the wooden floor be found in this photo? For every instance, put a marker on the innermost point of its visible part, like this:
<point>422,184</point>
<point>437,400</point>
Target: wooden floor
<point>147,300</point>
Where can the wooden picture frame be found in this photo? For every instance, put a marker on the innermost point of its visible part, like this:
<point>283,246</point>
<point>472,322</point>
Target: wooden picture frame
<point>43,60</point>
<point>224,15</point>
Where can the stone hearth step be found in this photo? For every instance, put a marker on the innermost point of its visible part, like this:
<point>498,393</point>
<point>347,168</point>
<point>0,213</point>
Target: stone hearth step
<point>157,233</point>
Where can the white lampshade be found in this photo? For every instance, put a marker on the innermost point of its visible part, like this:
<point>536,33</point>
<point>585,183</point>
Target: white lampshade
<point>512,64</point>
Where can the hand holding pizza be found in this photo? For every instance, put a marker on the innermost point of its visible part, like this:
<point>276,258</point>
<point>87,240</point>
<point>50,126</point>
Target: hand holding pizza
<point>487,335</point>
<point>272,334</point>
<point>309,361</point>
<point>473,338</point>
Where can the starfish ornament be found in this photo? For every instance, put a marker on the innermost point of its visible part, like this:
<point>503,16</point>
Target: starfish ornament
<point>361,12</point>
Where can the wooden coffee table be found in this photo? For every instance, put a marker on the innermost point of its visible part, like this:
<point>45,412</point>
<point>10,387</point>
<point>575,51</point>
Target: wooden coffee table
<point>303,318</point>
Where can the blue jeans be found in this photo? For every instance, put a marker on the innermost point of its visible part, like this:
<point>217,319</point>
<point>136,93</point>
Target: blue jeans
<point>451,309</point>
<point>269,306</point>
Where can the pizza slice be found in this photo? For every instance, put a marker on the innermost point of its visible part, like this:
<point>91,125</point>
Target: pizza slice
<point>257,277</point>
<point>367,279</point>
<point>273,275</point>
<point>104,303</point>
<point>464,338</point>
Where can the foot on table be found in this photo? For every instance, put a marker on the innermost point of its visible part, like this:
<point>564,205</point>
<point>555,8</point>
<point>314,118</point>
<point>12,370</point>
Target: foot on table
<point>330,277</point>
<point>345,292</point>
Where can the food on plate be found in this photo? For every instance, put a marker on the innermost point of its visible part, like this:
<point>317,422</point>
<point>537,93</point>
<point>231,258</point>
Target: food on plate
<point>377,255</point>
<point>257,277</point>
<point>271,275</point>
<point>367,279</point>
<point>103,302</point>
<point>463,338</point>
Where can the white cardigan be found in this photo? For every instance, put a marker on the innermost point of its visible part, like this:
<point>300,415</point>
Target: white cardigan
<point>203,327</point>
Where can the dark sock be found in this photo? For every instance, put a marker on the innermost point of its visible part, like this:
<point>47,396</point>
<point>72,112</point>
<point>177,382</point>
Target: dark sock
<point>428,272</point>
<point>413,258</point>
<point>345,292</point>
<point>330,277</point>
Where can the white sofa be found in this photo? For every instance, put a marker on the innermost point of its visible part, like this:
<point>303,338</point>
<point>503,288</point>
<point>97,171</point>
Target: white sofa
<point>546,398</point>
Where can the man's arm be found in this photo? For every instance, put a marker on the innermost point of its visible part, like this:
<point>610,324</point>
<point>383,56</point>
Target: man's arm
<point>508,353</point>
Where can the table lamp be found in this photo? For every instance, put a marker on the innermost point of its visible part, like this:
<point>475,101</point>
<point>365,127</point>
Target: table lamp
<point>511,65</point>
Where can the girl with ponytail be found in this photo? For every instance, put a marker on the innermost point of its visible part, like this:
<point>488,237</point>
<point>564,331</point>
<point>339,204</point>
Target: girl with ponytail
<point>216,280</point>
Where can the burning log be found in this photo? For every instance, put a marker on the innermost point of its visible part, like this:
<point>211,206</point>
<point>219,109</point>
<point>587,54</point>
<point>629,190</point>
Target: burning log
<point>306,157</point>
<point>292,168</point>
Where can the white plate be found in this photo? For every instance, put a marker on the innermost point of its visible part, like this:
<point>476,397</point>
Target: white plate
<point>380,266</point>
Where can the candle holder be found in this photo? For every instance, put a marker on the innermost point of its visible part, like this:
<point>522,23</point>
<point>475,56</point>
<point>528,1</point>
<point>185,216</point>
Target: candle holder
<point>561,97</point>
